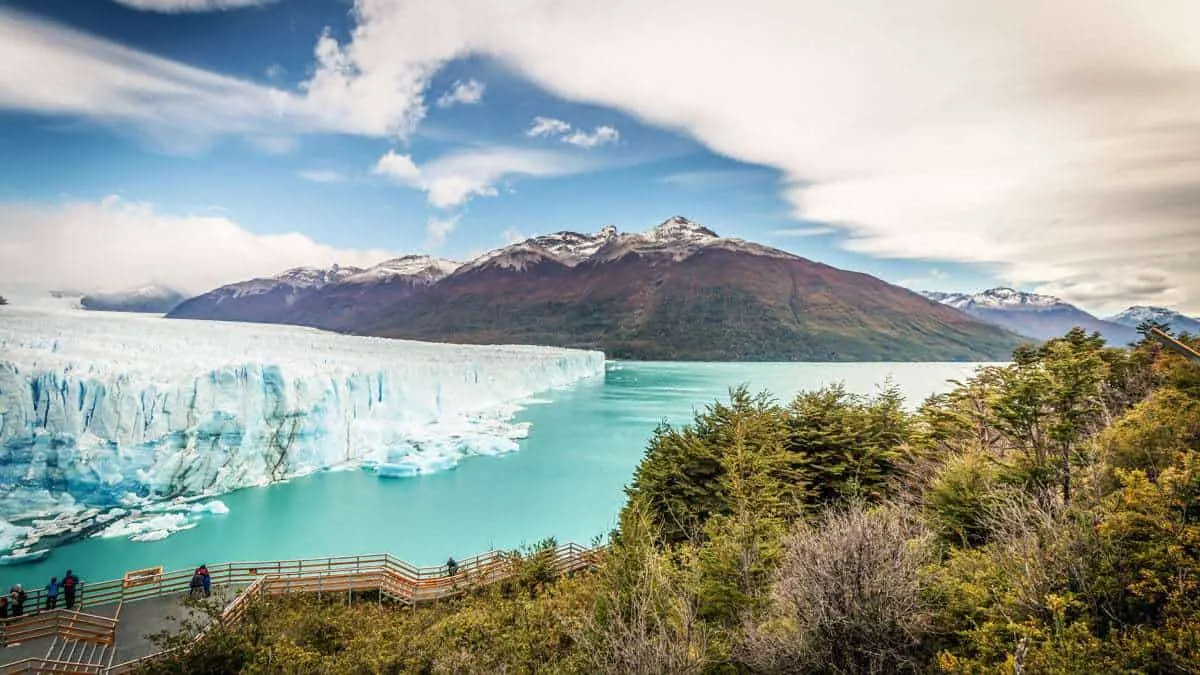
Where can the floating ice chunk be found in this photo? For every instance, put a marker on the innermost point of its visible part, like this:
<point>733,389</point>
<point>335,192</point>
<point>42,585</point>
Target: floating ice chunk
<point>215,507</point>
<point>10,534</point>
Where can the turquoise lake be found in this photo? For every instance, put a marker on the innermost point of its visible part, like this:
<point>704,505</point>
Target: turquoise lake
<point>566,480</point>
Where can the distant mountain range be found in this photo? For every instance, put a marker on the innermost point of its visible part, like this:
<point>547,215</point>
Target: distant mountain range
<point>1178,323</point>
<point>1036,316</point>
<point>678,291</point>
<point>150,299</point>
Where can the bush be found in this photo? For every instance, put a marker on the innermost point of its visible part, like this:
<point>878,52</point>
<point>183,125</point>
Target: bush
<point>849,597</point>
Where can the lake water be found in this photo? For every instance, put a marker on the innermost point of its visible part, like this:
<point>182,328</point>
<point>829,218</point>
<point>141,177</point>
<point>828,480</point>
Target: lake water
<point>566,480</point>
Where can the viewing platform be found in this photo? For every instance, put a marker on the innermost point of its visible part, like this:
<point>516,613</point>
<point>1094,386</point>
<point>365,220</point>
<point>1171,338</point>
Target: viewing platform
<point>106,633</point>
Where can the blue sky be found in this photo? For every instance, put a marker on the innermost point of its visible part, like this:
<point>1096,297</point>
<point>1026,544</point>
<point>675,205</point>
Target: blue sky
<point>262,122</point>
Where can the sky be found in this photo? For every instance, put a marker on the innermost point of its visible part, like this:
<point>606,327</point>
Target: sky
<point>1049,145</point>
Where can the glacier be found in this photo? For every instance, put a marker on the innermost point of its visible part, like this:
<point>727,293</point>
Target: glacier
<point>102,410</point>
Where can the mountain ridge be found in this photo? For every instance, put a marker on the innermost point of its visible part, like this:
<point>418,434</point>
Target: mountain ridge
<point>676,291</point>
<point>1032,315</point>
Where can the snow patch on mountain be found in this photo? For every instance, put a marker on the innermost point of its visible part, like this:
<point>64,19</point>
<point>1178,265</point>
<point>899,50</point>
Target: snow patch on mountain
<point>418,268</point>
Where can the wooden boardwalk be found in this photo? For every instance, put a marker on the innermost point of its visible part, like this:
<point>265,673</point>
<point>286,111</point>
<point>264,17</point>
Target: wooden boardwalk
<point>107,633</point>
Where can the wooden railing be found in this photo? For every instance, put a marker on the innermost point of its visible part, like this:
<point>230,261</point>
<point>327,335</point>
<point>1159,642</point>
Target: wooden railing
<point>64,623</point>
<point>52,667</point>
<point>388,576</point>
<point>384,574</point>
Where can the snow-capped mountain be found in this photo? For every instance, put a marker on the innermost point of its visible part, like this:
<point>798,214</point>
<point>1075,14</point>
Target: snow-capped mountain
<point>998,298</point>
<point>676,291</point>
<point>336,297</point>
<point>1030,314</point>
<point>675,238</point>
<point>151,299</point>
<point>1178,322</point>
<point>681,291</point>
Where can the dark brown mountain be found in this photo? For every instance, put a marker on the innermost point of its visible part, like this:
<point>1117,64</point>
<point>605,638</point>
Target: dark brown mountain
<point>681,292</point>
<point>676,292</point>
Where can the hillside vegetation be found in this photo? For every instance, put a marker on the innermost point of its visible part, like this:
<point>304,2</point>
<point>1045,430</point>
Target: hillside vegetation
<point>1043,517</point>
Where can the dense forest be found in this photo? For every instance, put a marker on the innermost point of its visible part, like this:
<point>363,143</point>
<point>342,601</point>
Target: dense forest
<point>1042,517</point>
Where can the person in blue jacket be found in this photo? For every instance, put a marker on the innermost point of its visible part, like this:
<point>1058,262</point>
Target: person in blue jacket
<point>52,593</point>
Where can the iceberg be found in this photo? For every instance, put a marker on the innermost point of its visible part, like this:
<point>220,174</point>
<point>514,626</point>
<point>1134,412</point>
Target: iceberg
<point>104,410</point>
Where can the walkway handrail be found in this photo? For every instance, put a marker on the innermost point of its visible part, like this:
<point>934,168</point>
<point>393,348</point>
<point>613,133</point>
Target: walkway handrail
<point>65,623</point>
<point>43,666</point>
<point>112,591</point>
<point>381,573</point>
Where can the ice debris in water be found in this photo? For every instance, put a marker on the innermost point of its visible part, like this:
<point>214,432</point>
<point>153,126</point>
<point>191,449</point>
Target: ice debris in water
<point>160,521</point>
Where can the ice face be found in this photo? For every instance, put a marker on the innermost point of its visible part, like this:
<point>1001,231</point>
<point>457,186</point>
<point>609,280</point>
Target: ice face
<point>103,409</point>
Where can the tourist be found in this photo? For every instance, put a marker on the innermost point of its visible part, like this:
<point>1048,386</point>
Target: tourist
<point>52,593</point>
<point>70,584</point>
<point>16,600</point>
<point>3,606</point>
<point>205,579</point>
<point>196,586</point>
<point>451,566</point>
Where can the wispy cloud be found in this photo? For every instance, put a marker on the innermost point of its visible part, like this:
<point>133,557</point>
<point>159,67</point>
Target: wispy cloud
<point>453,179</point>
<point>465,93</point>
<point>322,176</point>
<point>600,136</point>
<point>437,229</point>
<point>179,106</point>
<point>547,126</point>
<point>73,245</point>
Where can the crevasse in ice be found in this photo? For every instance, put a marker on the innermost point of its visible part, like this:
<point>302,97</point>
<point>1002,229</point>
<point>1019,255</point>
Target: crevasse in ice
<point>99,408</point>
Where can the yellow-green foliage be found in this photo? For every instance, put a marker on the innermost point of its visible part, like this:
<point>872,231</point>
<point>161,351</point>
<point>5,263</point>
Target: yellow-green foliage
<point>1063,492</point>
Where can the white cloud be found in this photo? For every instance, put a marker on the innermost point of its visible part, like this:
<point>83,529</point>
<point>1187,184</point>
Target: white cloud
<point>52,69</point>
<point>174,6</point>
<point>116,244</point>
<point>466,93</point>
<point>399,168</point>
<point>437,229</point>
<point>453,179</point>
<point>512,235</point>
<point>1054,139</point>
<point>547,126</point>
<point>322,176</point>
<point>600,136</point>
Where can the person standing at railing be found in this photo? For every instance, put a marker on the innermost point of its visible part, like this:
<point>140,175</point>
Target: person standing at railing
<point>16,600</point>
<point>52,593</point>
<point>70,584</point>
<point>3,606</point>
<point>451,566</point>
<point>205,579</point>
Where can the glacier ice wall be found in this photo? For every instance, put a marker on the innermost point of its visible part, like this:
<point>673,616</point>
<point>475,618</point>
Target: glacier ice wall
<point>95,407</point>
